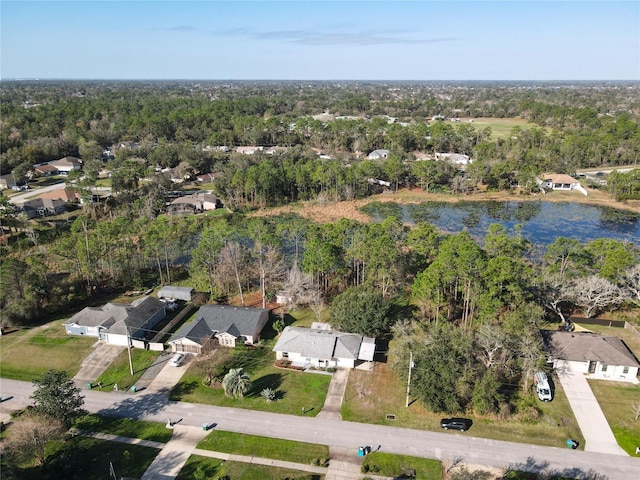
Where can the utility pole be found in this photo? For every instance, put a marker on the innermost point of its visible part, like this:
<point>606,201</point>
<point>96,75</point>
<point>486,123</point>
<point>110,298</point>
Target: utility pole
<point>129,350</point>
<point>409,377</point>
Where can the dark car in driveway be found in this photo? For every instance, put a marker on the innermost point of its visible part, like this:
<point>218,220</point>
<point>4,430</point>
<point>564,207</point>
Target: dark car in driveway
<point>461,424</point>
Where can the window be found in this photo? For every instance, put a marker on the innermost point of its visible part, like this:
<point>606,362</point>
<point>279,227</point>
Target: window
<point>625,370</point>
<point>604,368</point>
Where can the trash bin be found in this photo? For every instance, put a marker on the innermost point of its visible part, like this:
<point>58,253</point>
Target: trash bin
<point>89,385</point>
<point>133,389</point>
<point>205,427</point>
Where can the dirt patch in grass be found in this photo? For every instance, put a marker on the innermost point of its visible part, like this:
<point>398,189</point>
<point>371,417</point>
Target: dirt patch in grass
<point>330,213</point>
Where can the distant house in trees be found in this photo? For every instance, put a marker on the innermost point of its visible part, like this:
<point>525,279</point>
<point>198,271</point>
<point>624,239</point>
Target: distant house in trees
<point>189,204</point>
<point>115,323</point>
<point>7,181</point>
<point>249,150</point>
<point>225,324</point>
<point>455,158</point>
<point>45,170</point>
<point>67,164</point>
<point>67,195</point>
<point>205,178</point>
<point>378,154</point>
<point>560,181</point>
<point>321,347</point>
<point>598,356</point>
<point>43,207</point>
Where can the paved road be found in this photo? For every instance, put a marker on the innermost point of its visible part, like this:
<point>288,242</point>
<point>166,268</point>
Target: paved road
<point>154,406</point>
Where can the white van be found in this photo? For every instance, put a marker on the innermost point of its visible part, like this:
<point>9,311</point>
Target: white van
<point>542,387</point>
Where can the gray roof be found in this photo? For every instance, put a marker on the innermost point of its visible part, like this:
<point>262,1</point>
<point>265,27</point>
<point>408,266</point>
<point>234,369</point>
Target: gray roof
<point>215,319</point>
<point>322,344</point>
<point>588,347</point>
<point>116,317</point>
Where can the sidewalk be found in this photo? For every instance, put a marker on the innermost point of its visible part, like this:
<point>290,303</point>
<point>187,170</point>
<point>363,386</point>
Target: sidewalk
<point>345,464</point>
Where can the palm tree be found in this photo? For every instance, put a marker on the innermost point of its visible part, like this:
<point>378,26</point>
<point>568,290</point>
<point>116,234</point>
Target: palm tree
<point>236,383</point>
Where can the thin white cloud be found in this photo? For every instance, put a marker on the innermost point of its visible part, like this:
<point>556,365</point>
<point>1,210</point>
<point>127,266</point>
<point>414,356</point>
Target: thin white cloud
<point>362,38</point>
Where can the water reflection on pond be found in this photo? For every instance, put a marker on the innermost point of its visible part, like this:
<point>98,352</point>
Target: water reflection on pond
<point>542,221</point>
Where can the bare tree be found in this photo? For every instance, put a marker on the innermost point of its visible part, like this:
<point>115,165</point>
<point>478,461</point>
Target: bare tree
<point>594,293</point>
<point>233,260</point>
<point>28,436</point>
<point>636,410</point>
<point>494,345</point>
<point>531,355</point>
<point>554,290</point>
<point>631,279</point>
<point>272,270</point>
<point>300,287</point>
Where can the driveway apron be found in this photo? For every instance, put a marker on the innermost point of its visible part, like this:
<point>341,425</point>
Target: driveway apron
<point>333,400</point>
<point>96,363</point>
<point>595,428</point>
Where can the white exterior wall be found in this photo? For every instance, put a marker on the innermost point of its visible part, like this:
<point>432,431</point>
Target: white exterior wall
<point>113,339</point>
<point>298,359</point>
<point>614,372</point>
<point>346,363</point>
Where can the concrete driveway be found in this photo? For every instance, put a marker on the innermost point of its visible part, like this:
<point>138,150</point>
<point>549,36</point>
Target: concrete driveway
<point>335,393</point>
<point>595,428</point>
<point>167,376</point>
<point>96,363</point>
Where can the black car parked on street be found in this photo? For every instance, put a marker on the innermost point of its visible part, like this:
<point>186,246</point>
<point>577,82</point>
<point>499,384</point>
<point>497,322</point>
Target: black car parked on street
<point>461,424</point>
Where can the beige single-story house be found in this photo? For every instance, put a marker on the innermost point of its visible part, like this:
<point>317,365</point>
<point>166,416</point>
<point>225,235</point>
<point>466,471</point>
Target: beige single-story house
<point>115,323</point>
<point>560,181</point>
<point>225,324</point>
<point>602,357</point>
<point>322,347</point>
<point>67,164</point>
<point>199,202</point>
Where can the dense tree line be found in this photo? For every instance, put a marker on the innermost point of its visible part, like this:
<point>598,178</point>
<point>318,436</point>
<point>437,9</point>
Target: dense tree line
<point>580,125</point>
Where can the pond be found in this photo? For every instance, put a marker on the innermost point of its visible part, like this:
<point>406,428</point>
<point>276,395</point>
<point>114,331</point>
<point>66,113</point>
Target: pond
<point>542,222</point>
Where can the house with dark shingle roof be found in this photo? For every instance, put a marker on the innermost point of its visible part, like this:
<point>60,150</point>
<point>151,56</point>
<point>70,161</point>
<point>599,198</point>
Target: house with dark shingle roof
<point>115,323</point>
<point>600,357</point>
<point>43,207</point>
<point>322,347</point>
<point>224,323</point>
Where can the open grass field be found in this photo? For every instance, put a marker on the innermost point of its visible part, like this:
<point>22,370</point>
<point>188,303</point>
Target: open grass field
<point>363,403</point>
<point>205,467</point>
<point>254,445</point>
<point>619,402</point>
<point>29,353</point>
<point>500,127</point>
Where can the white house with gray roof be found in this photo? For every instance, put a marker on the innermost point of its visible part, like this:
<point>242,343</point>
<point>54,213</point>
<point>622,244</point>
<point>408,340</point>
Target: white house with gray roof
<point>225,323</point>
<point>322,347</point>
<point>597,356</point>
<point>115,323</point>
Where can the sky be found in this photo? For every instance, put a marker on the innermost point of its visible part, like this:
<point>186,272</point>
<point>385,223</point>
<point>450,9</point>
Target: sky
<point>320,40</point>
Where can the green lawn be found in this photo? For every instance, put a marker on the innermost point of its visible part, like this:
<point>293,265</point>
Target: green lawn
<point>295,389</point>
<point>119,371</point>
<point>126,427</point>
<point>364,403</point>
<point>254,445</point>
<point>619,402</point>
<point>389,465</point>
<point>211,468</point>
<point>29,353</point>
<point>89,458</point>
<point>500,127</point>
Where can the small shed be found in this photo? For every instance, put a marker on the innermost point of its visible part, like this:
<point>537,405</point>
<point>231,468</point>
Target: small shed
<point>176,293</point>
